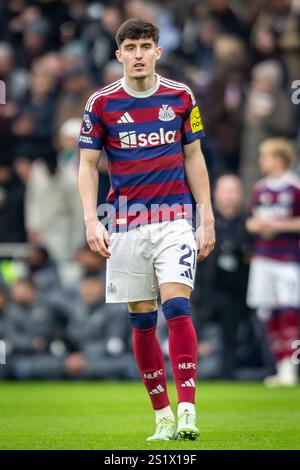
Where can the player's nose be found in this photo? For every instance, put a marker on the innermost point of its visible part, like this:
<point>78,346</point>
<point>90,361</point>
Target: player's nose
<point>138,53</point>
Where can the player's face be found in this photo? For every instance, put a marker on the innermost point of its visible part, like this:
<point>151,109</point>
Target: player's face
<point>267,162</point>
<point>138,57</point>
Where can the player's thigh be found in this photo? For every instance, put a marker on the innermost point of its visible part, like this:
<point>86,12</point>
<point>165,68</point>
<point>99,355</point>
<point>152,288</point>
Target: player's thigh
<point>169,290</point>
<point>143,306</point>
<point>130,275</point>
<point>175,256</point>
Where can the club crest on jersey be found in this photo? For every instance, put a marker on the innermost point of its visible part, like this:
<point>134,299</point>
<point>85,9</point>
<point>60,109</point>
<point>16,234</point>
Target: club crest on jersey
<point>87,124</point>
<point>166,113</point>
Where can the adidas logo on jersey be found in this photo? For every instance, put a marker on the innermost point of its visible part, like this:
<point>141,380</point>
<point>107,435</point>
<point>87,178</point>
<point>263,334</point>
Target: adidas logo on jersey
<point>125,119</point>
<point>188,273</point>
<point>157,390</point>
<point>131,139</point>
<point>189,383</point>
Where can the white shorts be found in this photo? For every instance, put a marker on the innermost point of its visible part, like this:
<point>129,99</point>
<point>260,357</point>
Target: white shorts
<point>148,256</point>
<point>273,284</point>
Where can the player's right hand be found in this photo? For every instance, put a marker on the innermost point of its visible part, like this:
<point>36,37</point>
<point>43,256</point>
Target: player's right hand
<point>98,238</point>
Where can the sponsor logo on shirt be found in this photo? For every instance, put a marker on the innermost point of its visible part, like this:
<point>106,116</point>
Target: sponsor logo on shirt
<point>131,139</point>
<point>195,120</point>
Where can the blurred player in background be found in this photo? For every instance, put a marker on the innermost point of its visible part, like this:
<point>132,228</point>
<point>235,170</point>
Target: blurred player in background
<point>150,129</point>
<point>274,282</point>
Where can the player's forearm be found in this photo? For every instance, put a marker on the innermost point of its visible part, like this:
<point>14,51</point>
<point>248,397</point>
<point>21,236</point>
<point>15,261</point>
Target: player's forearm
<point>291,225</point>
<point>88,181</point>
<point>197,177</point>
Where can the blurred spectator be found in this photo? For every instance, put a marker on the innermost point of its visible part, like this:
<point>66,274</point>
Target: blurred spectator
<point>11,204</point>
<point>169,38</point>
<point>266,47</point>
<point>33,127</point>
<point>99,36</point>
<point>42,271</point>
<point>283,17</point>
<point>32,331</point>
<point>51,64</point>
<point>223,100</point>
<point>22,166</point>
<point>112,71</point>
<point>221,280</point>
<point>197,48</point>
<point>35,36</point>
<point>76,88</point>
<point>68,144</point>
<point>53,211</point>
<point>268,112</point>
<point>15,88</point>
<point>91,264</point>
<point>98,333</point>
<point>15,79</point>
<point>222,12</point>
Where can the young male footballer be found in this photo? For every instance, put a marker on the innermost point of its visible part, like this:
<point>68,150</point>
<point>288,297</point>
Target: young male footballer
<point>150,130</point>
<point>274,281</point>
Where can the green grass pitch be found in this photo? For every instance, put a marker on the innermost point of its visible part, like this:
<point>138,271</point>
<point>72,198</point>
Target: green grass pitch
<point>111,416</point>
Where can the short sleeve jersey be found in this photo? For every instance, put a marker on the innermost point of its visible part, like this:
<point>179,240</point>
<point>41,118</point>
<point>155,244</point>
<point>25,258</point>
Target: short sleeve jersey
<point>142,135</point>
<point>277,199</point>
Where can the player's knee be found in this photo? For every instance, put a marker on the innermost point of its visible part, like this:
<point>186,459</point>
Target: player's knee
<point>144,306</point>
<point>169,290</point>
<point>143,321</point>
<point>176,307</point>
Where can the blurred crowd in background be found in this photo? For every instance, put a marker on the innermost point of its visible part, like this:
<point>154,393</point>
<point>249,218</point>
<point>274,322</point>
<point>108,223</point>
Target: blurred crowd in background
<point>240,59</point>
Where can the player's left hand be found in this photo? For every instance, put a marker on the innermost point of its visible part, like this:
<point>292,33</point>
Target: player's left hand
<point>205,240</point>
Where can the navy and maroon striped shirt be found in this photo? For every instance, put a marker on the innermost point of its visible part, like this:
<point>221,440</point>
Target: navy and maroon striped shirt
<point>142,134</point>
<point>277,199</point>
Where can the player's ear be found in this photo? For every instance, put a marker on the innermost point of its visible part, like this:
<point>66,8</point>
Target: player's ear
<point>118,55</point>
<point>159,52</point>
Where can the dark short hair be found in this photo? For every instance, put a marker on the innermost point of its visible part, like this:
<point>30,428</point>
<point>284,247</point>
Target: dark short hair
<point>137,28</point>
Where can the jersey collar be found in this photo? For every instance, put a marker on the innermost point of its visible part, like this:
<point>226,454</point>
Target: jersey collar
<point>283,180</point>
<point>141,94</point>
